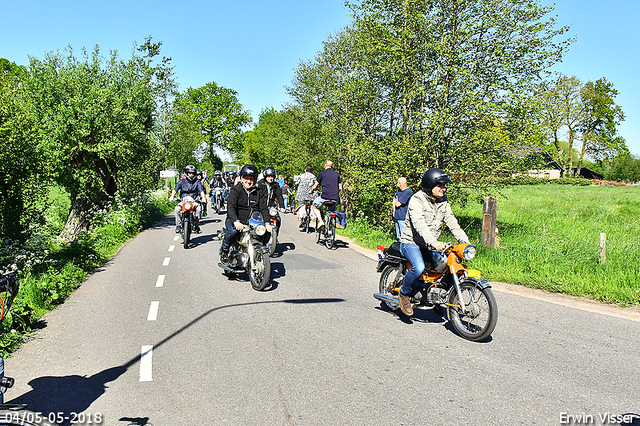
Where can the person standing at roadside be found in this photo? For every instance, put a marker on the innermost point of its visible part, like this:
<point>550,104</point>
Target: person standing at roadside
<point>400,204</point>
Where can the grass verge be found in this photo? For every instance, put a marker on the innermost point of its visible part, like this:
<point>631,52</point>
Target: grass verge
<point>50,271</point>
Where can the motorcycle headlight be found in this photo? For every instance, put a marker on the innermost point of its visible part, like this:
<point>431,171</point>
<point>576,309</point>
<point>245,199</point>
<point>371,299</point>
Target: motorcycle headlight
<point>469,252</point>
<point>260,230</point>
<point>273,211</point>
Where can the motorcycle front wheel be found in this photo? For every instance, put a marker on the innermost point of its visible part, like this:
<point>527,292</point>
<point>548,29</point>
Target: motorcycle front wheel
<point>259,270</point>
<point>186,233</point>
<point>479,319</point>
<point>390,280</point>
<point>273,241</point>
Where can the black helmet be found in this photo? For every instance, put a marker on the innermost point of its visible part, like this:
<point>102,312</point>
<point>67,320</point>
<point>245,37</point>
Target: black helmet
<point>190,169</point>
<point>269,171</point>
<point>249,170</point>
<point>431,178</point>
<point>198,172</point>
<point>217,173</point>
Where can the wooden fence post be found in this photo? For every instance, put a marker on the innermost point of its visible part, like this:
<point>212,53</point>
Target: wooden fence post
<point>489,218</point>
<point>603,247</point>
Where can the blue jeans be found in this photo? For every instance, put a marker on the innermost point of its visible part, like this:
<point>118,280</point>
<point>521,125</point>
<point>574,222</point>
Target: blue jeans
<point>415,255</point>
<point>399,226</point>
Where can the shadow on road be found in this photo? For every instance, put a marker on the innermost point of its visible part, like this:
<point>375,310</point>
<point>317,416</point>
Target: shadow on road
<point>74,394</point>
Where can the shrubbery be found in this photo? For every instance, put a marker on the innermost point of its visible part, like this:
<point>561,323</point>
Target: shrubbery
<point>51,270</point>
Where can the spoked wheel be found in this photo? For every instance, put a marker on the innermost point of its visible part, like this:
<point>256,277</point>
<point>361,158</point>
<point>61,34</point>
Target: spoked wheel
<point>260,270</point>
<point>273,241</point>
<point>26,418</point>
<point>479,319</point>
<point>390,282</point>
<point>330,233</point>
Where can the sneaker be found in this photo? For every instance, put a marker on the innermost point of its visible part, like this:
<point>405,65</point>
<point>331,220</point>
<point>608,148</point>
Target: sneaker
<point>301,225</point>
<point>178,229</point>
<point>405,304</point>
<point>197,230</point>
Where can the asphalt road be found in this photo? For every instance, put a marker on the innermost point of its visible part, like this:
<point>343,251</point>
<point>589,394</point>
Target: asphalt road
<point>159,336</point>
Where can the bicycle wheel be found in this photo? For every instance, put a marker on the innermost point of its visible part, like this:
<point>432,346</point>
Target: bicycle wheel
<point>24,418</point>
<point>330,233</point>
<point>318,233</point>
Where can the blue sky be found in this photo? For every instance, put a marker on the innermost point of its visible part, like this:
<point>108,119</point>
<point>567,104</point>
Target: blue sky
<point>254,46</point>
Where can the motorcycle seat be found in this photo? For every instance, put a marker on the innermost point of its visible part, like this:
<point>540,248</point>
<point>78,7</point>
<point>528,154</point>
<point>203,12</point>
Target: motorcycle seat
<point>394,250</point>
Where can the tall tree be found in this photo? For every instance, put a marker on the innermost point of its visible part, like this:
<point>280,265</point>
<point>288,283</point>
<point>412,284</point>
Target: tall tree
<point>94,120</point>
<point>21,163</point>
<point>218,114</point>
<point>412,84</point>
<point>599,126</point>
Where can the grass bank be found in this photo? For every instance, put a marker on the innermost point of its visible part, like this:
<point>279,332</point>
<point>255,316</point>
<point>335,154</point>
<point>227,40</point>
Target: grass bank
<point>549,239</point>
<point>50,271</point>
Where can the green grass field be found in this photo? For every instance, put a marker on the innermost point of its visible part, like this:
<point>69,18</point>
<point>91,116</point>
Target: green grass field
<point>549,238</point>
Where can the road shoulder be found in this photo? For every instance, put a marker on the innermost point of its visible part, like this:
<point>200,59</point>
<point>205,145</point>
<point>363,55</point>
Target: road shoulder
<point>630,313</point>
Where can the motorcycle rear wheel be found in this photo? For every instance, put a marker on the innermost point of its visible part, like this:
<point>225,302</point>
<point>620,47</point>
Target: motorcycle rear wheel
<point>481,315</point>
<point>391,278</point>
<point>259,270</point>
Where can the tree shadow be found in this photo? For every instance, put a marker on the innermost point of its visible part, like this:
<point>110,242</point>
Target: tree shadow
<point>75,393</point>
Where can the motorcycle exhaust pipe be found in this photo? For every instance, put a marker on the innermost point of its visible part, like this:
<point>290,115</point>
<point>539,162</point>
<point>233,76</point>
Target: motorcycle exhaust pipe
<point>388,299</point>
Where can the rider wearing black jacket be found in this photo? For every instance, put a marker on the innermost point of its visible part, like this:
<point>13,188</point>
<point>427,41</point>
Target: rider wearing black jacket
<point>244,199</point>
<point>273,192</point>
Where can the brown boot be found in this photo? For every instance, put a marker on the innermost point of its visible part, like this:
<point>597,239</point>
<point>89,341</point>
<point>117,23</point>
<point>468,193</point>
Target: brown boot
<point>405,305</point>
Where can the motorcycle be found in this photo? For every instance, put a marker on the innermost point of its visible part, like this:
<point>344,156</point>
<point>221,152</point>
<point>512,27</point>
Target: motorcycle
<point>217,202</point>
<point>188,217</point>
<point>15,414</point>
<point>447,283</point>
<point>273,241</point>
<point>248,254</point>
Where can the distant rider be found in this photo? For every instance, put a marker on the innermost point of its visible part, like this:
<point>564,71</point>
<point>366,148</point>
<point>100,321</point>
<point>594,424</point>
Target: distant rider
<point>303,184</point>
<point>218,182</point>
<point>188,187</point>
<point>200,175</point>
<point>428,209</point>
<point>271,187</point>
<point>244,199</point>
<point>331,186</point>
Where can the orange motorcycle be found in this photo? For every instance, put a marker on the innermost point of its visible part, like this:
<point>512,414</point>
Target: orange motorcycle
<point>447,284</point>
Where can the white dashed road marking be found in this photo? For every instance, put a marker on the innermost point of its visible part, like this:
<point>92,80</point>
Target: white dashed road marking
<point>153,311</point>
<point>166,261</point>
<point>171,247</point>
<point>160,281</point>
<point>145,363</point>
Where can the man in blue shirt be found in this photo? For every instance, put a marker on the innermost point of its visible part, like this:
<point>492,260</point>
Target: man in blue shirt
<point>188,187</point>
<point>331,186</point>
<point>400,202</point>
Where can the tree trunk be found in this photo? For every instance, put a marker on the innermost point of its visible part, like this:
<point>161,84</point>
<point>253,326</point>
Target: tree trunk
<point>77,221</point>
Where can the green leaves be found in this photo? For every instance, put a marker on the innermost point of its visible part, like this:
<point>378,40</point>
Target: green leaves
<point>217,114</point>
<point>413,84</point>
